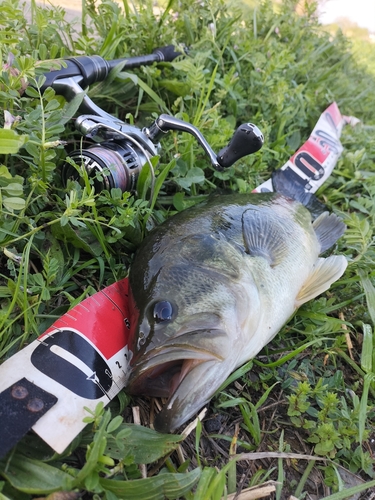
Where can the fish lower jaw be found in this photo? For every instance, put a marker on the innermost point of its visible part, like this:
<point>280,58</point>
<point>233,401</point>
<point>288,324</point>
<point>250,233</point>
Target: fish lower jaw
<point>187,366</point>
<point>169,381</point>
<point>163,379</point>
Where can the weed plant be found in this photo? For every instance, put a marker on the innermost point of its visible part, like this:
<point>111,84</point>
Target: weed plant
<point>302,412</point>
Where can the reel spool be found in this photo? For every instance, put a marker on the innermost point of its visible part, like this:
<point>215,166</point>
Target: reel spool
<point>110,164</point>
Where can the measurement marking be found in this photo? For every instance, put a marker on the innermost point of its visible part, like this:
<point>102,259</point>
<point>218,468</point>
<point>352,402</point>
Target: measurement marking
<point>42,342</point>
<point>95,299</point>
<point>113,302</point>
<point>84,307</point>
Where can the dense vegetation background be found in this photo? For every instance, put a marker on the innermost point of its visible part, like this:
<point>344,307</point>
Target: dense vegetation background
<point>311,391</point>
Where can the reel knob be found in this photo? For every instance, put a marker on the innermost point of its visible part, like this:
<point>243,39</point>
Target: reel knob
<point>246,140</point>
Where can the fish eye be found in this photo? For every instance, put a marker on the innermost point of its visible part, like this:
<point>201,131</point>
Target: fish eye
<point>163,311</point>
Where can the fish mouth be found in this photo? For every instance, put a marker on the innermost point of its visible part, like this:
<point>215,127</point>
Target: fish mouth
<point>161,373</point>
<point>161,380</point>
<point>171,371</point>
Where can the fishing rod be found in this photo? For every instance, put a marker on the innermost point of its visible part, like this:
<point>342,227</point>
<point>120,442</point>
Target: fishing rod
<point>92,69</point>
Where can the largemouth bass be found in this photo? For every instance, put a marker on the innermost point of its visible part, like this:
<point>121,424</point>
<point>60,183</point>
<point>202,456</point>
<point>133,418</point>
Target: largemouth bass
<point>214,284</point>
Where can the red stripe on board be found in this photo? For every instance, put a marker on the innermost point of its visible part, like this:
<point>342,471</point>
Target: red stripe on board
<point>314,149</point>
<point>104,318</point>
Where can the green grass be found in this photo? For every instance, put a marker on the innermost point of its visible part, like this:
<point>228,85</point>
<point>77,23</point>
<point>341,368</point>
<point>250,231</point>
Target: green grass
<point>310,392</point>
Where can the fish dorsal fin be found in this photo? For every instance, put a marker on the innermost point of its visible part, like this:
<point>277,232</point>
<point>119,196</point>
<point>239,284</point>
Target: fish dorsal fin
<point>328,229</point>
<point>264,236</point>
<point>325,272</point>
<point>285,182</point>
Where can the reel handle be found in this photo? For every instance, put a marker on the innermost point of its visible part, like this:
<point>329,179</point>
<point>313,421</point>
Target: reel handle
<point>246,140</point>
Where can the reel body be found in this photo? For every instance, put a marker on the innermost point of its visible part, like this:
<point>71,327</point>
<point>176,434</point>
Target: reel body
<point>122,150</point>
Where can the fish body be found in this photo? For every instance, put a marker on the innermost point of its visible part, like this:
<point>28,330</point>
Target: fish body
<point>214,284</point>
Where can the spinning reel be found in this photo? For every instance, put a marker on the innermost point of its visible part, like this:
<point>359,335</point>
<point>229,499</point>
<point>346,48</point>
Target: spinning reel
<point>119,150</point>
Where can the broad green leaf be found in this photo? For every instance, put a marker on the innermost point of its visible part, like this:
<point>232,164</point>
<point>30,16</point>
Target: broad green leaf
<point>165,485</point>
<point>367,348</point>
<point>10,141</point>
<point>240,372</point>
<point>145,177</point>
<point>220,481</point>
<point>114,424</point>
<point>163,17</point>
<point>369,292</point>
<point>194,176</point>
<point>204,481</point>
<point>108,49</point>
<point>54,130</point>
<point>34,477</point>
<point>368,380</point>
<point>177,87</point>
<point>32,149</point>
<point>14,203</point>
<point>4,172</point>
<point>181,202</point>
<point>71,108</point>
<point>232,403</point>
<point>152,94</point>
<point>52,105</point>
<point>31,92</point>
<point>146,445</point>
<point>13,189</point>
<point>350,492</point>
<point>79,237</point>
<point>160,179</point>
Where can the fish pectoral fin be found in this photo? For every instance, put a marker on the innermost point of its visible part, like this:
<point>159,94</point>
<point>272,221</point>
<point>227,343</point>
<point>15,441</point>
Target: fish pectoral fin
<point>328,229</point>
<point>325,272</point>
<point>263,236</point>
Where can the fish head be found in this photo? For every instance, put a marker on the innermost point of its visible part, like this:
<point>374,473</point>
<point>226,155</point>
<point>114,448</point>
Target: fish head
<point>188,336</point>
